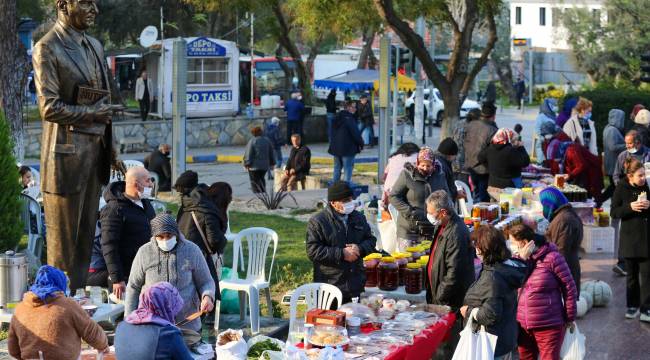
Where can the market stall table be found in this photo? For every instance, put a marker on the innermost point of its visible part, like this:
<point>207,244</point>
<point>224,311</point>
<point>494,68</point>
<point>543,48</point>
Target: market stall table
<point>399,294</point>
<point>427,342</point>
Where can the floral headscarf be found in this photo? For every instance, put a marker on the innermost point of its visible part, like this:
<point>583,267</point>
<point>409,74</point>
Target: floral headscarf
<point>425,154</point>
<point>159,304</point>
<point>503,136</point>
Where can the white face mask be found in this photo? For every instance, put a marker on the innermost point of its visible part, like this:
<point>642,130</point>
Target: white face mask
<point>167,245</point>
<point>632,150</point>
<point>145,193</point>
<point>548,136</point>
<point>514,248</point>
<point>349,207</point>
<point>433,220</point>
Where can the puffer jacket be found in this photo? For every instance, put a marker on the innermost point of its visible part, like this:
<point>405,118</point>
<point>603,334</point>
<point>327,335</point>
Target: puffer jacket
<point>125,227</point>
<point>272,132</point>
<point>409,193</point>
<point>259,154</point>
<point>450,270</point>
<point>613,140</point>
<point>548,298</point>
<point>327,236</point>
<point>495,295</point>
<point>478,135</point>
<point>346,139</point>
<point>565,231</point>
<point>634,235</point>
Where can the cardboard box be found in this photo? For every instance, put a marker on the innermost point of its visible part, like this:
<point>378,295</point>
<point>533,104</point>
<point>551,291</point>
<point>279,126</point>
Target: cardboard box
<point>325,317</point>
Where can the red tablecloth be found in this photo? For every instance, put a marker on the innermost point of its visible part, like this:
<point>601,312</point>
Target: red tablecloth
<point>426,343</point>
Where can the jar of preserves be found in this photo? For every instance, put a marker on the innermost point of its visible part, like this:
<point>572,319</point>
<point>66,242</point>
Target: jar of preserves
<point>505,208</point>
<point>401,262</point>
<point>413,281</point>
<point>388,272</point>
<point>424,262</point>
<point>408,256</point>
<point>476,211</point>
<point>370,264</point>
<point>426,247</point>
<point>415,252</point>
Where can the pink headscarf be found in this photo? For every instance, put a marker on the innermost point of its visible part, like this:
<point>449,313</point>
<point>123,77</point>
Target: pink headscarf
<point>503,136</point>
<point>159,304</point>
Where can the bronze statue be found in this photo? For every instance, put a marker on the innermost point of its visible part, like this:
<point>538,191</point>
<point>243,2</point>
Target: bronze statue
<point>74,98</point>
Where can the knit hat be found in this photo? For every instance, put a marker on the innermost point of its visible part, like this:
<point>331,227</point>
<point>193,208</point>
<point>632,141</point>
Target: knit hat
<point>338,191</point>
<point>549,128</point>
<point>488,110</point>
<point>448,147</point>
<point>552,199</point>
<point>275,120</point>
<point>187,180</point>
<point>425,154</point>
<point>163,223</point>
<point>642,117</point>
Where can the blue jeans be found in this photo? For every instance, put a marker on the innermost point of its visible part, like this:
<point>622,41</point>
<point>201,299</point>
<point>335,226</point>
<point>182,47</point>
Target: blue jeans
<point>277,152</point>
<point>367,133</point>
<point>480,182</point>
<point>347,164</point>
<point>330,119</point>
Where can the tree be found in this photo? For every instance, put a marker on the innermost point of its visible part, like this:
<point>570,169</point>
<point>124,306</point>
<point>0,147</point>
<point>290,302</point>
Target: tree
<point>10,207</point>
<point>13,73</point>
<point>464,16</point>
<point>500,56</point>
<point>608,49</point>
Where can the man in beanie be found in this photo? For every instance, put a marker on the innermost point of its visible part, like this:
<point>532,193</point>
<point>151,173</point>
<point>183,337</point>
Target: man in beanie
<point>446,154</point>
<point>478,135</point>
<point>565,229</point>
<point>169,257</point>
<point>338,238</point>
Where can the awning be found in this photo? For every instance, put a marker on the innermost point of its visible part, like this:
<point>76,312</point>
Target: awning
<point>361,80</point>
<point>404,83</point>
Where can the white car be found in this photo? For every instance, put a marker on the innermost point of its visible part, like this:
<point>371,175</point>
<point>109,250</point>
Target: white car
<point>437,109</point>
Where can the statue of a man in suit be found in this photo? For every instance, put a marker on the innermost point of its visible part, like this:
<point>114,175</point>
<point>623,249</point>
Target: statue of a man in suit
<point>73,88</point>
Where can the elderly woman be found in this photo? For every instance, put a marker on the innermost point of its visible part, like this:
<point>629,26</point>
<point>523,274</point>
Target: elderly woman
<point>169,257</point>
<point>151,327</point>
<point>49,325</point>
<point>259,157</point>
<point>505,157</point>
<point>410,191</point>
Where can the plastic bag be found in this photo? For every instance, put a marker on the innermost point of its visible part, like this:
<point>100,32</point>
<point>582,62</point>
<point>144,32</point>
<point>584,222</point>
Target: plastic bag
<point>472,345</point>
<point>231,345</point>
<point>229,298</point>
<point>573,346</point>
<point>388,232</point>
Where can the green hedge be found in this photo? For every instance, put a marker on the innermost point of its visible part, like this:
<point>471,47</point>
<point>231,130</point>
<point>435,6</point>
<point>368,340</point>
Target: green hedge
<point>606,99</point>
<point>11,227</point>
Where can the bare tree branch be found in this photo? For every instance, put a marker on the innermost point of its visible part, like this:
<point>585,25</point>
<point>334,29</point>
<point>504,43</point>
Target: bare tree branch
<point>492,39</point>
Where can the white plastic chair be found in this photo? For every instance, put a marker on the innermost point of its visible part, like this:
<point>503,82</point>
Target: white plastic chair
<point>155,179</point>
<point>33,226</point>
<point>258,240</point>
<point>230,236</point>
<point>116,176</point>
<point>317,296</point>
<point>464,205</point>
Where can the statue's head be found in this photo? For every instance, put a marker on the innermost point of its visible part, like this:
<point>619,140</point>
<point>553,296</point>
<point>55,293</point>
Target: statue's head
<point>80,14</point>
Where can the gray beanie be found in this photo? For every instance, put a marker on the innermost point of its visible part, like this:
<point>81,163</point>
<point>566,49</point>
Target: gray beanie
<point>163,223</point>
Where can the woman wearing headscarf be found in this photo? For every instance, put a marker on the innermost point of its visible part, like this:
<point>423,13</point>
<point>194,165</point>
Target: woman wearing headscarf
<point>49,325</point>
<point>583,169</point>
<point>641,123</point>
<point>149,331</point>
<point>547,115</point>
<point>505,157</point>
<point>170,257</point>
<point>565,114</point>
<point>410,191</point>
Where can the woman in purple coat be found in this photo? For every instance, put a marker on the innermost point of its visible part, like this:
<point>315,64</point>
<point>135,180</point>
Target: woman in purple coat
<point>547,300</point>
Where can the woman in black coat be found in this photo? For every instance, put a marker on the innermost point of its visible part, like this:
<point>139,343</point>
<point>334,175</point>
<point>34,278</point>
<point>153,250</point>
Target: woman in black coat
<point>505,157</point>
<point>630,204</point>
<point>494,294</point>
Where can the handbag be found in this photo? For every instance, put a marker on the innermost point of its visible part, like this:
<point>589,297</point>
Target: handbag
<point>217,258</point>
<point>472,345</point>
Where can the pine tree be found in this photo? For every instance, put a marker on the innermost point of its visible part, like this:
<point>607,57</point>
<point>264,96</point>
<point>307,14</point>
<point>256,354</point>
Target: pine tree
<point>11,228</point>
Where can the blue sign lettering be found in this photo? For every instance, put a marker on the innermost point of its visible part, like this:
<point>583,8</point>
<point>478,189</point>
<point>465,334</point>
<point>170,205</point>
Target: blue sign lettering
<point>204,47</point>
<point>209,96</point>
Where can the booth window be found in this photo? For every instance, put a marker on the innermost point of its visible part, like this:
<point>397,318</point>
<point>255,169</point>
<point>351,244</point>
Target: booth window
<point>207,71</point>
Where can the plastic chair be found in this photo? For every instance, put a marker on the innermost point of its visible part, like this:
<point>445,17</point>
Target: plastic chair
<point>258,240</point>
<point>317,296</point>
<point>116,176</point>
<point>155,179</point>
<point>230,236</point>
<point>464,205</point>
<point>32,219</point>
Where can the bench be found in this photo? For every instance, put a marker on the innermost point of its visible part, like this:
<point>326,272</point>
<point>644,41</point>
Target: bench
<point>134,142</point>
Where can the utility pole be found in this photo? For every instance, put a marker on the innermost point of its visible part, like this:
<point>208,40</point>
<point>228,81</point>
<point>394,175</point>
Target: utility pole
<point>432,96</point>
<point>531,81</point>
<point>395,99</point>
<point>252,58</point>
<point>179,105</point>
<point>161,96</point>
<point>384,87</point>
<point>418,119</point>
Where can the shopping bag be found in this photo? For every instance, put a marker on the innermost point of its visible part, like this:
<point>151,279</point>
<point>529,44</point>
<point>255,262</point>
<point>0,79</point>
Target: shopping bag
<point>231,345</point>
<point>573,346</point>
<point>472,345</point>
<point>229,298</point>
<point>388,231</point>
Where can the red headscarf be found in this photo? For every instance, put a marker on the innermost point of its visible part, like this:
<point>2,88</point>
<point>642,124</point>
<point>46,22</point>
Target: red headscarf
<point>636,109</point>
<point>503,136</point>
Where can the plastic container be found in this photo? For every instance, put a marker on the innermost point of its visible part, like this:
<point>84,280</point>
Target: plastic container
<point>370,264</point>
<point>353,325</point>
<point>413,279</point>
<point>388,274</point>
<point>415,252</point>
<point>401,261</point>
<point>598,239</point>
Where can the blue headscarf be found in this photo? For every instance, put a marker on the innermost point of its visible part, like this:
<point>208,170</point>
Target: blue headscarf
<point>48,281</point>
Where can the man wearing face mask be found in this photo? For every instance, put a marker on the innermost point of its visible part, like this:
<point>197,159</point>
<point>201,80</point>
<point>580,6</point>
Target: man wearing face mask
<point>635,149</point>
<point>158,162</point>
<point>169,257</point>
<point>125,224</point>
<point>338,238</point>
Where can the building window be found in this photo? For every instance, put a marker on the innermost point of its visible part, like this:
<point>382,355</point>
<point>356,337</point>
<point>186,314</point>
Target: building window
<point>556,16</point>
<point>542,16</point>
<point>518,15</point>
<point>596,15</point>
<point>207,71</point>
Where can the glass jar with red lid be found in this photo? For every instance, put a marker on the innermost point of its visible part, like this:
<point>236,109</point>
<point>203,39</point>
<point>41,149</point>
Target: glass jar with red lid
<point>388,271</point>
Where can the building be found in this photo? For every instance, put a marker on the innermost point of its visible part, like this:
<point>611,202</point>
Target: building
<point>539,22</point>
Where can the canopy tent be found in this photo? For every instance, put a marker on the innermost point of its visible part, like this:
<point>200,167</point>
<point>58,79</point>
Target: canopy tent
<point>361,80</point>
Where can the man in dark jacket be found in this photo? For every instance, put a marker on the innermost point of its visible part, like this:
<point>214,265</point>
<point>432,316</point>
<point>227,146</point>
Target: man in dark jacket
<point>366,120</point>
<point>125,224</point>
<point>272,132</point>
<point>478,135</point>
<point>338,238</point>
<point>634,148</point>
<point>298,165</point>
<point>565,228</point>
<point>490,93</point>
<point>346,142</point>
<point>330,107</point>
<point>158,162</point>
<point>295,111</point>
<point>259,157</point>
<point>446,154</point>
<point>520,91</point>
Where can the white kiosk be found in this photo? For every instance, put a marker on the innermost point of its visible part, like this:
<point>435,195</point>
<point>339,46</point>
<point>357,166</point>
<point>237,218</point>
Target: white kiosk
<point>212,76</point>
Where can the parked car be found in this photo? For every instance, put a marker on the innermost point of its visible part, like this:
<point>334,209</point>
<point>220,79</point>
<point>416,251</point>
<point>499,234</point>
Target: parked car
<point>437,109</point>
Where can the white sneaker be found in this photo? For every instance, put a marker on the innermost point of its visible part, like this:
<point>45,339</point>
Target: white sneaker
<point>631,313</point>
<point>645,316</point>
